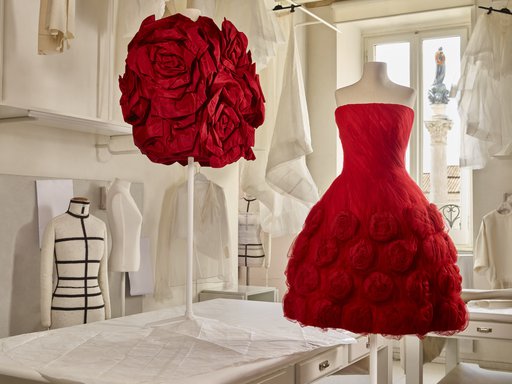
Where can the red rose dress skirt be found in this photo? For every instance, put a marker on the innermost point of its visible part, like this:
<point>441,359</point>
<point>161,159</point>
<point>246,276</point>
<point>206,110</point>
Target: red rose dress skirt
<point>373,255</point>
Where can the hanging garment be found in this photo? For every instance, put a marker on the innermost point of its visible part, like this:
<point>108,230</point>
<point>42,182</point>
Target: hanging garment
<point>211,237</point>
<point>252,250</point>
<point>492,249</point>
<point>281,215</point>
<point>287,171</point>
<point>255,19</point>
<point>485,88</point>
<point>56,26</point>
<point>373,256</point>
<point>77,243</point>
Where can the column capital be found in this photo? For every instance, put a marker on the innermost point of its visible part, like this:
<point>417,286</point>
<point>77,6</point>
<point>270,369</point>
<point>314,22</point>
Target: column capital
<point>438,130</point>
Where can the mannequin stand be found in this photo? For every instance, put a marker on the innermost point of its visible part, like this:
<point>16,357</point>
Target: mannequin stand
<point>123,294</point>
<point>190,238</point>
<point>372,341</point>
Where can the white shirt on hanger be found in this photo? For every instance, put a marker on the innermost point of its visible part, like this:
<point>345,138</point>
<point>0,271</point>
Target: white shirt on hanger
<point>211,237</point>
<point>492,249</point>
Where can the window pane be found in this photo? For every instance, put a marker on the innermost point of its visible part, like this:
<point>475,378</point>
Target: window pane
<point>441,70</point>
<point>397,56</point>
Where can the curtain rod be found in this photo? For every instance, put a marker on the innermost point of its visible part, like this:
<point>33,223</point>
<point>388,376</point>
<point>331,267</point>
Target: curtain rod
<point>303,9</point>
<point>491,9</point>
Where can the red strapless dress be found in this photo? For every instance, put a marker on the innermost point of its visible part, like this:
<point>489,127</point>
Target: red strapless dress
<point>373,255</point>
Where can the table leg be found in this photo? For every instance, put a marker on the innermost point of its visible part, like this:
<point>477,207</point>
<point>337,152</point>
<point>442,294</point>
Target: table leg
<point>413,360</point>
<point>452,353</point>
<point>385,363</point>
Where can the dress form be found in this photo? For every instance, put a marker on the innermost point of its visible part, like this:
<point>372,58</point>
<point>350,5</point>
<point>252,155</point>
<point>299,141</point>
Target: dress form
<point>171,8</point>
<point>375,87</point>
<point>125,222</point>
<point>76,243</point>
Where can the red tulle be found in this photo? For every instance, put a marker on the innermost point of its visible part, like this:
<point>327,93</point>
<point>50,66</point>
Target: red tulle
<point>373,256</point>
<point>190,89</point>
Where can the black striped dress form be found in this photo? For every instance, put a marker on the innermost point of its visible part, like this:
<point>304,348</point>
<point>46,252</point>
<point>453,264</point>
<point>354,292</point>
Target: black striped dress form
<point>74,280</point>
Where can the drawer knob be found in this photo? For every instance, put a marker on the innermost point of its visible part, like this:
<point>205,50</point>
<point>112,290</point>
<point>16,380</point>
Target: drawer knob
<point>323,365</point>
<point>483,329</point>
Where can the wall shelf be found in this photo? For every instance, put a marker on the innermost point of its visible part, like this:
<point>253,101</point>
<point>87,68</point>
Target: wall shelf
<point>10,114</point>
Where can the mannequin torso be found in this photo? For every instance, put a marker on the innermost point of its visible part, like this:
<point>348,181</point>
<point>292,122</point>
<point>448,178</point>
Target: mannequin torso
<point>125,222</point>
<point>375,87</point>
<point>76,242</point>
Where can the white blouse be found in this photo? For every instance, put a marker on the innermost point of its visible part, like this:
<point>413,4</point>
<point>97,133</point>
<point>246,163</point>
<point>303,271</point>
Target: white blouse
<point>492,252</point>
<point>211,237</point>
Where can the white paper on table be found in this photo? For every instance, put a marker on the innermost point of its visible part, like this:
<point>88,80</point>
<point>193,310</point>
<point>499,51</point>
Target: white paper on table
<point>52,200</point>
<point>141,281</point>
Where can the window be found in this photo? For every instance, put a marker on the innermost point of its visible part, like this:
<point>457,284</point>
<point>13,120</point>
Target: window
<point>415,59</point>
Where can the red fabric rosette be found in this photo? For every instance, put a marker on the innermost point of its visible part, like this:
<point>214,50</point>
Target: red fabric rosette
<point>191,89</point>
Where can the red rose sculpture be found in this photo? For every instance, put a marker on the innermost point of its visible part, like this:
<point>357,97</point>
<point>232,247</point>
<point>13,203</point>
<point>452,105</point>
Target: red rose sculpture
<point>191,89</point>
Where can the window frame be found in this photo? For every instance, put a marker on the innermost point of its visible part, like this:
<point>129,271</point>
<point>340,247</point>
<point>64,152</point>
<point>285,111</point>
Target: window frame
<point>415,38</point>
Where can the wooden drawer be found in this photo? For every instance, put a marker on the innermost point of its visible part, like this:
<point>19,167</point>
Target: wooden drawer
<point>284,376</point>
<point>358,350</point>
<point>487,329</point>
<point>320,365</point>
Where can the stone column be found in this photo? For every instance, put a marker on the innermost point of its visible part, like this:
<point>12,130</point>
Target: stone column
<point>438,129</point>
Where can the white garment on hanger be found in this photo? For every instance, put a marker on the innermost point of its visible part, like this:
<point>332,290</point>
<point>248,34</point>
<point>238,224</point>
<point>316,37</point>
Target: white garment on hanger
<point>255,19</point>
<point>56,25</point>
<point>280,215</point>
<point>492,249</point>
<point>211,237</point>
<point>125,222</point>
<point>287,171</point>
<point>485,90</point>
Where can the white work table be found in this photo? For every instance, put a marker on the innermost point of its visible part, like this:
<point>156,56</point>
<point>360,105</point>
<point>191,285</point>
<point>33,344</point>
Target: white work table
<point>242,342</point>
<point>484,324</point>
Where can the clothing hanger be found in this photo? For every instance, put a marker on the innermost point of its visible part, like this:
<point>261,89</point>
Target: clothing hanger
<point>506,206</point>
<point>199,176</point>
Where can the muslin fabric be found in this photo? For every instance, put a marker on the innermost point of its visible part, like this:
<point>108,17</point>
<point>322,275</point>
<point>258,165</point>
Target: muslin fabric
<point>485,87</point>
<point>373,255</point>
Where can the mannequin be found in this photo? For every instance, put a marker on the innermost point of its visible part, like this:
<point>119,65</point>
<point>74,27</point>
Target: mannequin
<point>171,8</point>
<point>125,222</point>
<point>375,87</point>
<point>77,242</point>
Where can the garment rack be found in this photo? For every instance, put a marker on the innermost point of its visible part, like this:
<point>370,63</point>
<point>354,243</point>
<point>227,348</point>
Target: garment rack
<point>294,5</point>
<point>491,9</point>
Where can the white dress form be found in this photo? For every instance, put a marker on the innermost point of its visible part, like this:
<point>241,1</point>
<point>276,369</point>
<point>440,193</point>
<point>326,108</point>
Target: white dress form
<point>171,7</point>
<point>375,87</point>
<point>125,222</point>
<point>76,243</point>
